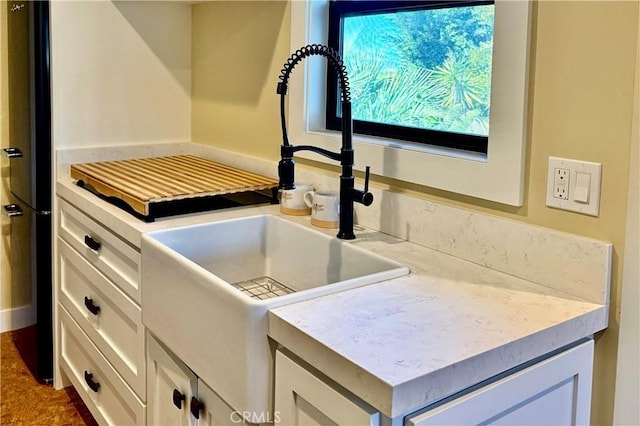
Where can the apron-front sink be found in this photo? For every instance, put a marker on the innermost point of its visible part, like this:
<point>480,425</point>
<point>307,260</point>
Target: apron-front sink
<point>206,290</point>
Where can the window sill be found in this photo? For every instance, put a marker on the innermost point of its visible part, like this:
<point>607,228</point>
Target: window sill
<point>402,145</point>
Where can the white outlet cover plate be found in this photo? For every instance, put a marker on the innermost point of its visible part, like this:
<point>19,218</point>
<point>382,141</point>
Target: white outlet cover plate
<point>592,208</point>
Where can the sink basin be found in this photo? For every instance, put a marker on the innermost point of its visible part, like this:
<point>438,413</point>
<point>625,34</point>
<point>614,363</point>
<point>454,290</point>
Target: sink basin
<point>206,290</point>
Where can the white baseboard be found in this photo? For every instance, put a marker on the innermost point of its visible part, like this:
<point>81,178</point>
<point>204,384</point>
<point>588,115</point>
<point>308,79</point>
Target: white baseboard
<point>16,318</point>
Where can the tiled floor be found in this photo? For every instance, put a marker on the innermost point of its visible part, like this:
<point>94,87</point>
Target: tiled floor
<point>23,401</point>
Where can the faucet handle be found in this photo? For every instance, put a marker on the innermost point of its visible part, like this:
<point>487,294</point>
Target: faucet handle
<point>364,196</point>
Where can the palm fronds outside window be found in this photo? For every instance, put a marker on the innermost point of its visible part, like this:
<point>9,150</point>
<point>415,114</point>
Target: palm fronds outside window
<point>423,69</point>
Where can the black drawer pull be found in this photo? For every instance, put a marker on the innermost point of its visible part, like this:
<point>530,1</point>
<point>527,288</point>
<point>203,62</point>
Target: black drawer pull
<point>94,309</point>
<point>91,243</point>
<point>178,398</point>
<point>88,377</point>
<point>196,406</point>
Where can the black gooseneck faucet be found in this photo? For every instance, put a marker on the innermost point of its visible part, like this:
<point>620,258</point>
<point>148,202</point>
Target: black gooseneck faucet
<point>286,166</point>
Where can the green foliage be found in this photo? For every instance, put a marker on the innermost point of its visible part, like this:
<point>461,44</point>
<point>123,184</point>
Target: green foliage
<point>429,69</point>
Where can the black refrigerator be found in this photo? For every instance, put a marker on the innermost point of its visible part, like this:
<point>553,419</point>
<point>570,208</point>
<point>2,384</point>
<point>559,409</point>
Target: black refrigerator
<point>29,152</point>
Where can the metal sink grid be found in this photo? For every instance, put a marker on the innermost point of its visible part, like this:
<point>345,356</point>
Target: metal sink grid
<point>262,288</point>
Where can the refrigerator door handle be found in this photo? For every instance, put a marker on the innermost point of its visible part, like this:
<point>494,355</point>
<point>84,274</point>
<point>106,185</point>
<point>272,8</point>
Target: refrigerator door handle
<point>12,210</point>
<point>12,153</point>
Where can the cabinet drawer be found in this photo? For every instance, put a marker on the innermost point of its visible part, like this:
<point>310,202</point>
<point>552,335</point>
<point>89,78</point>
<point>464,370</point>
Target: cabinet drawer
<point>110,319</point>
<point>106,251</point>
<point>112,402</point>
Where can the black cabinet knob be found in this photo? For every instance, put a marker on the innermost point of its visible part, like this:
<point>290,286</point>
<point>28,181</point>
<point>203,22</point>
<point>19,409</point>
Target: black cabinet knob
<point>196,407</point>
<point>178,398</point>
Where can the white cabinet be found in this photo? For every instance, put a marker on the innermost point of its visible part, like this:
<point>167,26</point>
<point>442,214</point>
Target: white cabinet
<point>102,339</point>
<point>111,320</point>
<point>170,385</point>
<point>109,253</point>
<point>555,391</point>
<point>110,400</point>
<point>178,397</point>
<point>301,398</point>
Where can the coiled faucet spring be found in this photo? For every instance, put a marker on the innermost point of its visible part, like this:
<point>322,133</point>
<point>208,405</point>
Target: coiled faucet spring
<point>316,50</point>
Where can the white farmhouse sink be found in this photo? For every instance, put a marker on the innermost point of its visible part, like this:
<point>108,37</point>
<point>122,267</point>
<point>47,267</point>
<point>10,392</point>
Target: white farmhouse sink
<point>193,298</point>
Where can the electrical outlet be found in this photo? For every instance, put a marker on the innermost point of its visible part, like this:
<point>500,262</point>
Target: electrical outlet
<point>574,185</point>
<point>561,183</point>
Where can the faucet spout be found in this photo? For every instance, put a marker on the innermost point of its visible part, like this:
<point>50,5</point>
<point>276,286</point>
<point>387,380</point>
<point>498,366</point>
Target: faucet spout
<point>286,166</point>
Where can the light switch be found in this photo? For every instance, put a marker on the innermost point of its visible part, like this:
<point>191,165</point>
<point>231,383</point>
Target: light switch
<point>574,185</point>
<point>583,187</point>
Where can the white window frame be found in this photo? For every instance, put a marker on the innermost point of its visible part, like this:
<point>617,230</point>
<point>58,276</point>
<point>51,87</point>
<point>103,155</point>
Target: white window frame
<point>497,176</point>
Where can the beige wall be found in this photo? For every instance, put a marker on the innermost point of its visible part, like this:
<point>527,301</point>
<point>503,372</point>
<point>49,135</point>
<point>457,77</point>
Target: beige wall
<point>238,49</point>
<point>581,99</point>
<point>626,410</point>
<point>120,72</point>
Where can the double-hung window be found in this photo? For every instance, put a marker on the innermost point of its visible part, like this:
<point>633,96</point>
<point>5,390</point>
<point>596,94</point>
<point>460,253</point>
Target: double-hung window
<point>420,71</point>
<point>439,90</point>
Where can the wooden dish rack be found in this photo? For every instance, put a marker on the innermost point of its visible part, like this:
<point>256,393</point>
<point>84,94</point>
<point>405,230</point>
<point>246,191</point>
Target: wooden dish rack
<point>162,186</point>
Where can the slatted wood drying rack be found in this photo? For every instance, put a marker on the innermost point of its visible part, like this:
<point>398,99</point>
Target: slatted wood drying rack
<point>143,184</point>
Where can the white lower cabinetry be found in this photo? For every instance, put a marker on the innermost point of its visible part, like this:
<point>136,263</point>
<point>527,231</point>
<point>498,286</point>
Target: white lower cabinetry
<point>302,398</point>
<point>102,339</point>
<point>108,252</point>
<point>126,377</point>
<point>177,397</point>
<point>170,386</point>
<point>110,319</point>
<point>555,391</point>
<point>102,389</point>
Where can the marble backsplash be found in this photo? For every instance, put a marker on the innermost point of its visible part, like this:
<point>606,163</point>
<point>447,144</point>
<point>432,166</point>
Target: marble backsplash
<point>573,264</point>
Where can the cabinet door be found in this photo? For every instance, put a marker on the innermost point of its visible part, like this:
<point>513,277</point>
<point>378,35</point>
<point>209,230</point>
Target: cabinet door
<point>555,392</point>
<point>170,387</point>
<point>301,398</point>
<point>213,410</point>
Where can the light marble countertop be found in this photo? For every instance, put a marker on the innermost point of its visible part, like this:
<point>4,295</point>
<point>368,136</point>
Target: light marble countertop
<point>404,343</point>
<point>410,341</point>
